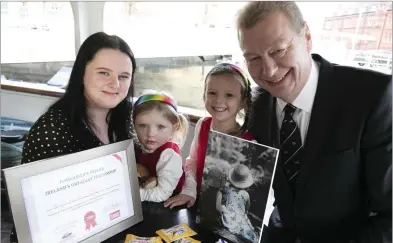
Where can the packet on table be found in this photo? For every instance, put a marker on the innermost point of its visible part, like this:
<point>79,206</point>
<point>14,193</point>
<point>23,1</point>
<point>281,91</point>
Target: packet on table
<point>176,232</point>
<point>130,238</point>
<point>187,240</point>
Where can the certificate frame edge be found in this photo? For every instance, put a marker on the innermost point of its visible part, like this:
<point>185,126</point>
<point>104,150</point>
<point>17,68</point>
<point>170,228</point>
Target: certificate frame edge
<point>14,175</point>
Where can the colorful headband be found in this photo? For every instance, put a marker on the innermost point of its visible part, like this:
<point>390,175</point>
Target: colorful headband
<point>156,97</point>
<point>237,69</point>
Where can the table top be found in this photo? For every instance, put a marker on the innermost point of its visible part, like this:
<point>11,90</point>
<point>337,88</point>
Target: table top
<point>156,217</point>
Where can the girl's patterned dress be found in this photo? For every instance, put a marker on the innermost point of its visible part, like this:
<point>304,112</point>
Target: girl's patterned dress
<point>234,215</point>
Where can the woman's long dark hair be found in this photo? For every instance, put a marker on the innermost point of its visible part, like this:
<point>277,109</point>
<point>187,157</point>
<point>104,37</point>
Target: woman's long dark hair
<point>73,103</point>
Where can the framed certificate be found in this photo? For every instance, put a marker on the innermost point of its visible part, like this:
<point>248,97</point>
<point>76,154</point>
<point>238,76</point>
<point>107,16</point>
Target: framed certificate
<point>87,196</point>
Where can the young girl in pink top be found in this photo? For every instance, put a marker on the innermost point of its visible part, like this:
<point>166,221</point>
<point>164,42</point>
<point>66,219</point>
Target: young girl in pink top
<point>227,92</point>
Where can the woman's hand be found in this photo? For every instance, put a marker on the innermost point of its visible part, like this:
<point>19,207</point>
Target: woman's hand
<point>179,200</point>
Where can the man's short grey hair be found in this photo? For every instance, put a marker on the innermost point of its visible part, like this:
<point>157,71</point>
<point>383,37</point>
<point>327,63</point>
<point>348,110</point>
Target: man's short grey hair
<point>254,12</point>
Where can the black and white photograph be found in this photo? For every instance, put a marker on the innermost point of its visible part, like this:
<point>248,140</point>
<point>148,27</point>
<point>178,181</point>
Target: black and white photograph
<point>236,198</point>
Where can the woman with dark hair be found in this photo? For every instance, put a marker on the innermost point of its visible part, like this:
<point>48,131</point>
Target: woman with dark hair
<point>96,107</point>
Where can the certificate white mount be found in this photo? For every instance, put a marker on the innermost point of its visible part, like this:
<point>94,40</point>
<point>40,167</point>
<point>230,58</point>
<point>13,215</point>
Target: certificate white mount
<point>82,197</point>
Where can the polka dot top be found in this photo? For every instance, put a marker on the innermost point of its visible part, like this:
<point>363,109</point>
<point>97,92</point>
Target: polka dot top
<point>51,135</point>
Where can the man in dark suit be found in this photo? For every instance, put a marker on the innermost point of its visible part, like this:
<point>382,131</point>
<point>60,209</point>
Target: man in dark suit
<point>333,126</point>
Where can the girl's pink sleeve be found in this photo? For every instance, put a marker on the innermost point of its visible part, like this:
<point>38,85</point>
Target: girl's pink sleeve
<point>190,184</point>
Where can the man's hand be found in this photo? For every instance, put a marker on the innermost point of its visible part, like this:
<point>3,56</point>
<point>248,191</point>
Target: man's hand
<point>179,200</point>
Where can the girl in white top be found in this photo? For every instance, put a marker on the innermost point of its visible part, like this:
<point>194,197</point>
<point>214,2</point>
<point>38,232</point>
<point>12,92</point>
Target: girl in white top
<point>227,92</point>
<point>160,130</point>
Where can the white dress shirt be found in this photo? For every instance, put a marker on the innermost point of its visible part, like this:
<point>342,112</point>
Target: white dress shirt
<point>304,102</point>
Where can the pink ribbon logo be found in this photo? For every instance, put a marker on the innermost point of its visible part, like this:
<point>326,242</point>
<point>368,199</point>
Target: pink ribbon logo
<point>90,220</point>
<point>117,157</point>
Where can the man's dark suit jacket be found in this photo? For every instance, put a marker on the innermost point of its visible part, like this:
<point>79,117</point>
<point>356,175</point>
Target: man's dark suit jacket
<point>346,168</point>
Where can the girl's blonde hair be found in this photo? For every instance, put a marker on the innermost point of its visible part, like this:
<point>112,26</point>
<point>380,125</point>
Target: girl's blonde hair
<point>163,102</point>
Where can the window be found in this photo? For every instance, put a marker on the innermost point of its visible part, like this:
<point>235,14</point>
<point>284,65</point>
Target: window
<point>340,38</point>
<point>176,43</point>
<point>37,32</point>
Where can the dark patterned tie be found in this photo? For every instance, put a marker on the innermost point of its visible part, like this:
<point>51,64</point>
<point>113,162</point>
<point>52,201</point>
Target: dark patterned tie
<point>291,144</point>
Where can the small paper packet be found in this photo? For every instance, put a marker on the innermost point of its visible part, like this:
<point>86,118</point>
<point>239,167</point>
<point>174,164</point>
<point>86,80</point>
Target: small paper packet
<point>130,238</point>
<point>176,232</point>
<point>187,240</point>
